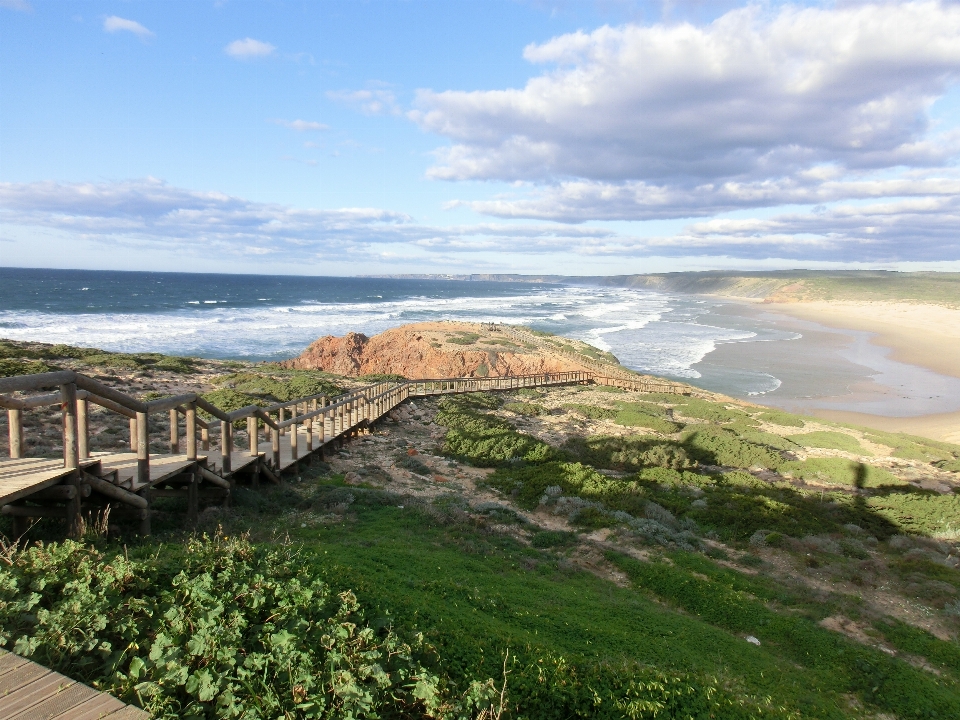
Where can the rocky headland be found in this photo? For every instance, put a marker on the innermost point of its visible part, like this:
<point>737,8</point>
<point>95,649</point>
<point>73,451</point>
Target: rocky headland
<point>445,349</point>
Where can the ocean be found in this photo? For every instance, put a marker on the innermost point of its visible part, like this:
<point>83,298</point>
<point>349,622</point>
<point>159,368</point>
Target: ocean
<point>260,317</point>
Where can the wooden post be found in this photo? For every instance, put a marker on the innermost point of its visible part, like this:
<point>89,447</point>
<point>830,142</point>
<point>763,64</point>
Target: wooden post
<point>15,427</point>
<point>143,448</point>
<point>252,434</point>
<point>133,435</point>
<point>143,468</point>
<point>293,439</point>
<point>71,453</point>
<point>83,429</point>
<point>204,439</point>
<point>275,448</point>
<point>191,423</point>
<point>174,433</point>
<point>226,445</point>
<point>281,413</point>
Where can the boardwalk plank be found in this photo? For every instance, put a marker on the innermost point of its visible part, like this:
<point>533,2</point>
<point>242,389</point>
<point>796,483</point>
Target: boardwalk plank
<point>64,700</point>
<point>33,693</point>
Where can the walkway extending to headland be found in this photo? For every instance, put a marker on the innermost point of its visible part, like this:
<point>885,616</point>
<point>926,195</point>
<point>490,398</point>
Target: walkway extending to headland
<point>128,482</point>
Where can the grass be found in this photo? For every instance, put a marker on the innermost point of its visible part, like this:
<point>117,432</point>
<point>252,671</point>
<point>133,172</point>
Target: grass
<point>592,411</point>
<point>525,408</point>
<point>838,471</point>
<point>778,417</point>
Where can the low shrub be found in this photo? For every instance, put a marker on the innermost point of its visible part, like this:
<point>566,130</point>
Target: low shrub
<point>628,453</point>
<point>830,440</point>
<point>837,471</point>
<point>646,415</point>
<point>592,411</point>
<point>10,367</point>
<point>216,628</point>
<point>719,446</point>
<point>525,408</point>
<point>485,440</point>
<point>779,417</point>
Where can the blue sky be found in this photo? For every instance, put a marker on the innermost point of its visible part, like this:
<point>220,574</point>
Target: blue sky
<point>560,137</point>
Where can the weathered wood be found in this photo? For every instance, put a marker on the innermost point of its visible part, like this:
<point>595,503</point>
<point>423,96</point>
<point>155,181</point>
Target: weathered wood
<point>226,445</point>
<point>275,447</point>
<point>205,438</point>
<point>174,432</point>
<point>254,444</point>
<point>212,477</point>
<point>281,411</point>
<point>115,493</point>
<point>170,403</point>
<point>38,401</point>
<point>109,405</point>
<point>39,381</point>
<point>273,477</point>
<point>143,448</point>
<point>91,385</point>
<point>133,433</point>
<point>190,412</point>
<point>59,492</point>
<point>83,427</point>
<point>15,431</point>
<point>71,452</point>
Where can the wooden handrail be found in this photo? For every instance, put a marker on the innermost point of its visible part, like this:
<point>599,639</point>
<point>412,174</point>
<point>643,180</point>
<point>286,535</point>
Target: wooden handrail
<point>39,381</point>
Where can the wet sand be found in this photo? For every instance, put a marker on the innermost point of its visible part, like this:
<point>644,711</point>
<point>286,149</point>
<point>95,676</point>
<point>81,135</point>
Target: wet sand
<point>851,373</point>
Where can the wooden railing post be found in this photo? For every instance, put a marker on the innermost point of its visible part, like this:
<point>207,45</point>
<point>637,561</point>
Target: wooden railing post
<point>133,435</point>
<point>280,417</point>
<point>294,450</point>
<point>15,429</point>
<point>83,429</point>
<point>191,423</point>
<point>252,435</point>
<point>143,467</point>
<point>226,445</point>
<point>275,448</point>
<point>71,453</point>
<point>174,433</point>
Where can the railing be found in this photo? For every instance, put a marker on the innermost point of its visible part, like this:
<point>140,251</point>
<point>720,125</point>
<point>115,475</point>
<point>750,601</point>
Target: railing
<point>323,418</point>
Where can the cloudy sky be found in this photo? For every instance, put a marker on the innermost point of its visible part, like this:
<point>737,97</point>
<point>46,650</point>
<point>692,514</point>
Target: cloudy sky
<point>561,136</point>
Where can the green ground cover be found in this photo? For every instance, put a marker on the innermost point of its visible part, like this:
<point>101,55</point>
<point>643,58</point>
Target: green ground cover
<point>830,440</point>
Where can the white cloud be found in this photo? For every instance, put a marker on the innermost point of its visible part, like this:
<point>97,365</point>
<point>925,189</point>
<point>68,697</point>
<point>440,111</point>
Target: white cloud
<point>674,120</point>
<point>149,212</point>
<point>118,24</point>
<point>302,125</point>
<point>249,48</point>
<point>376,101</point>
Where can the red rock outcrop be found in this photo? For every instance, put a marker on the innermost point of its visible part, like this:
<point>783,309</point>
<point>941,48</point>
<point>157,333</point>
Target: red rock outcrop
<point>425,350</point>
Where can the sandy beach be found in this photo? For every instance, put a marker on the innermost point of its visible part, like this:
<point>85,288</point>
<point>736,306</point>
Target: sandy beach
<point>925,336</point>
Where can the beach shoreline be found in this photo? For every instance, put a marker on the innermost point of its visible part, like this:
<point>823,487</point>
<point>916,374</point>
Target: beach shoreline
<point>919,335</point>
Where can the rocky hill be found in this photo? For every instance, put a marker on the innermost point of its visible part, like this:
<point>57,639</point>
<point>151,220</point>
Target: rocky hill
<point>445,349</point>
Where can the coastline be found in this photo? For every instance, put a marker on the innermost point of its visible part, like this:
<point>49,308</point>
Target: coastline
<point>886,365</point>
<point>924,335</point>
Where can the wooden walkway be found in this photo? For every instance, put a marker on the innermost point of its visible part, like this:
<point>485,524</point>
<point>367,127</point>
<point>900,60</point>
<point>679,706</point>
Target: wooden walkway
<point>20,477</point>
<point>31,692</point>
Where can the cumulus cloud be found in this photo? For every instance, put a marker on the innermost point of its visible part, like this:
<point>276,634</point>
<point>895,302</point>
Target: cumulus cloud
<point>149,212</point>
<point>691,119</point>
<point>114,24</point>
<point>249,48</point>
<point>302,125</point>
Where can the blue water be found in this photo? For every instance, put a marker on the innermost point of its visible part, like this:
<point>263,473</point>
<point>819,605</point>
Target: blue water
<point>258,317</point>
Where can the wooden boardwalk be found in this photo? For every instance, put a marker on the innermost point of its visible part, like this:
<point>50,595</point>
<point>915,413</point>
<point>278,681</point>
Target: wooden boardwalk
<point>21,477</point>
<point>32,692</point>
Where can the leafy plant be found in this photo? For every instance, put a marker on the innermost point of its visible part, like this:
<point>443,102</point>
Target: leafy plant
<point>525,408</point>
<point>830,440</point>
<point>222,629</point>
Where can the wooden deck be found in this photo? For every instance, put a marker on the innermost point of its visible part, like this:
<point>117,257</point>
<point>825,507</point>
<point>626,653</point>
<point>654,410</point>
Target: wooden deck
<point>31,692</point>
<point>20,477</point>
<point>240,460</point>
<point>162,467</point>
<point>287,460</point>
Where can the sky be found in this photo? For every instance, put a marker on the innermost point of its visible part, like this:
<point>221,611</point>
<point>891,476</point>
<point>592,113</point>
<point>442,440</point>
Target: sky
<point>480,136</point>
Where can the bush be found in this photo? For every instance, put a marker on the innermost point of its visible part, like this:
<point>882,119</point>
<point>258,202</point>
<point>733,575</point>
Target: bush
<point>778,417</point>
<point>591,411</point>
<point>720,446</point>
<point>628,453</point>
<point>524,408</point>
<point>222,628</point>
<point>11,368</point>
<point>552,538</point>
<point>830,440</point>
<point>838,471</point>
<point>485,440</point>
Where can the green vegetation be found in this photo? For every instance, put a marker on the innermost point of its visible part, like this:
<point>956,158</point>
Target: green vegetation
<point>592,411</point>
<point>90,357</point>
<point>778,417</point>
<point>648,415</point>
<point>271,388</point>
<point>525,408</point>
<point>10,367</point>
<point>830,440</point>
<point>715,445</point>
<point>911,447</point>
<point>383,377</point>
<point>485,440</point>
<point>628,453</point>
<point>463,338</point>
<point>228,629</point>
<point>837,471</point>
